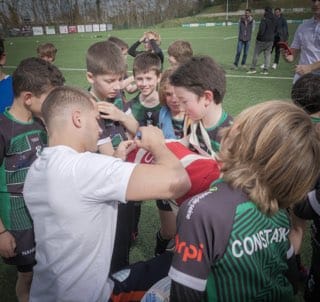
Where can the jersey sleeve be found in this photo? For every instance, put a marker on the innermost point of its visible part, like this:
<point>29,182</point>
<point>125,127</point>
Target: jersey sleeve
<point>202,237</point>
<point>132,51</point>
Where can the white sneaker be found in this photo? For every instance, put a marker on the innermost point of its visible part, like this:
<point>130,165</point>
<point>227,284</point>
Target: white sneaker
<point>252,71</point>
<point>262,66</point>
<point>274,66</point>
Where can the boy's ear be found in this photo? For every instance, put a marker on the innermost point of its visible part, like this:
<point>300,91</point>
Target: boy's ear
<point>27,97</point>
<point>76,118</point>
<point>90,77</point>
<point>208,95</point>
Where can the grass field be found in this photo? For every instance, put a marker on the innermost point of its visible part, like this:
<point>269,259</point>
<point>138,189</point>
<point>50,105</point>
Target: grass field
<point>218,42</point>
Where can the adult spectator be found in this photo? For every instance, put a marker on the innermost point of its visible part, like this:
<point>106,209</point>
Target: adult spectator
<point>264,41</point>
<point>246,24</point>
<point>281,35</point>
<point>306,44</point>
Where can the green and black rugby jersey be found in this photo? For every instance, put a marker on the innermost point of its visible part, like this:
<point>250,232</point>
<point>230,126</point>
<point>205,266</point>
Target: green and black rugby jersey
<point>20,144</point>
<point>144,115</point>
<point>228,249</point>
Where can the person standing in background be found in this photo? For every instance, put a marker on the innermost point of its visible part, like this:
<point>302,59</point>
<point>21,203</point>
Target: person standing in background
<point>264,41</point>
<point>306,45</point>
<point>246,25</point>
<point>282,35</point>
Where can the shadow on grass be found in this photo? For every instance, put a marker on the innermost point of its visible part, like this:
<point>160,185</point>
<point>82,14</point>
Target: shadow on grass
<point>8,277</point>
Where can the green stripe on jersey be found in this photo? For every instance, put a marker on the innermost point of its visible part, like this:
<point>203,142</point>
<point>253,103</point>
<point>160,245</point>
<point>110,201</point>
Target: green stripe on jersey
<point>253,265</point>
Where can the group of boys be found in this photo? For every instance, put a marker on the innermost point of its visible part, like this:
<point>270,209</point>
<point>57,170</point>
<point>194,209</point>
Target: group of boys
<point>33,80</point>
<point>77,225</point>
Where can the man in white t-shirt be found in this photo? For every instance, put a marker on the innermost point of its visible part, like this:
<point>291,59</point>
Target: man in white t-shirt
<point>72,194</point>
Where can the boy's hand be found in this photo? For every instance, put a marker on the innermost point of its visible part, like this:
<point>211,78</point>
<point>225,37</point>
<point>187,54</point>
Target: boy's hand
<point>124,148</point>
<point>110,111</point>
<point>7,245</point>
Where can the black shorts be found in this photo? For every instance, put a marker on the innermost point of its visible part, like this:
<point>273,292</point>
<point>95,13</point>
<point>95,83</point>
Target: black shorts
<point>164,205</point>
<point>25,249</point>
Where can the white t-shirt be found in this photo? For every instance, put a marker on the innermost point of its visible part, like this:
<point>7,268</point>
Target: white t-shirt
<point>72,198</point>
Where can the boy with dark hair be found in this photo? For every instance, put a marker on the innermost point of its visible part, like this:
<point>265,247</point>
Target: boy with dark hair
<point>22,137</point>
<point>47,52</point>
<point>200,85</point>
<point>145,105</point>
<point>6,91</point>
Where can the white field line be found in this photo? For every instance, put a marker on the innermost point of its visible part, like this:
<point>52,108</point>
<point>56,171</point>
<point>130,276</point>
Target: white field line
<point>227,75</point>
<point>230,38</point>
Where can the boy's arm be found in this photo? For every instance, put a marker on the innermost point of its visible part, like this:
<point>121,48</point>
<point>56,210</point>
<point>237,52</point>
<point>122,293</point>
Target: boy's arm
<point>165,179</point>
<point>132,51</point>
<point>157,50</point>
<point>129,85</point>
<point>7,242</point>
<point>110,111</point>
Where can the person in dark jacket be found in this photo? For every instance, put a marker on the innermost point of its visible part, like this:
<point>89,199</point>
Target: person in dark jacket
<point>282,35</point>
<point>264,41</point>
<point>246,24</point>
<point>151,41</point>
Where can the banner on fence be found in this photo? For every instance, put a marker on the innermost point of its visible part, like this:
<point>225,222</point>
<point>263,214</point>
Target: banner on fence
<point>88,28</point>
<point>80,28</point>
<point>37,30</point>
<point>72,29</point>
<point>63,29</point>
<point>50,30</point>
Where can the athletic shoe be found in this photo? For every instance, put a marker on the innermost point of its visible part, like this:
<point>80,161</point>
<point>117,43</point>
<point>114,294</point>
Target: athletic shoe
<point>244,66</point>
<point>251,71</point>
<point>264,71</point>
<point>274,66</point>
<point>234,67</point>
<point>262,66</point>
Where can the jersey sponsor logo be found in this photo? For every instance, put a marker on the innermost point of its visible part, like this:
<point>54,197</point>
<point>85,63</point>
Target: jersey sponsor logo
<point>188,252</point>
<point>258,241</point>
<point>193,202</point>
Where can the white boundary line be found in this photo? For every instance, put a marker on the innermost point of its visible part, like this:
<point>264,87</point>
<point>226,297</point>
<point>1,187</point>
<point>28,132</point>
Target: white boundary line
<point>230,38</point>
<point>227,75</point>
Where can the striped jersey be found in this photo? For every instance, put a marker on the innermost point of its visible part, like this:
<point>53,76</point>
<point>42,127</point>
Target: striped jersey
<point>230,250</point>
